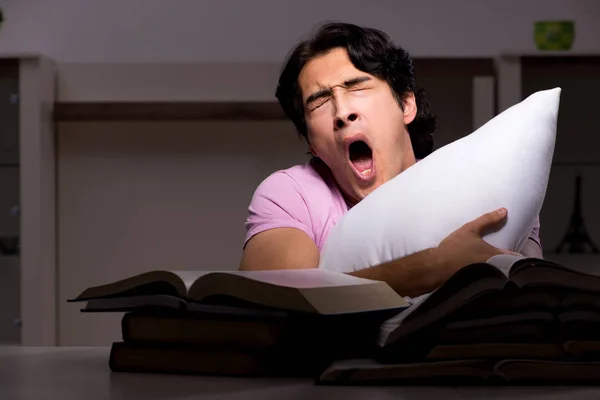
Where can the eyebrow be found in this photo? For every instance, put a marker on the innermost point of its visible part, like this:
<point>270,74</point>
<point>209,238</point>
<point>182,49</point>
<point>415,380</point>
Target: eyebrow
<point>347,83</point>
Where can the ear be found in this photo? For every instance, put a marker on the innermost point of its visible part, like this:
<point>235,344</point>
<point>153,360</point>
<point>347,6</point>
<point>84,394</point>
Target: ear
<point>410,108</point>
<point>312,151</point>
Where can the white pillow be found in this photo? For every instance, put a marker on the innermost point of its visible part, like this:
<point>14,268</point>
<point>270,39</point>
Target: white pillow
<point>504,163</point>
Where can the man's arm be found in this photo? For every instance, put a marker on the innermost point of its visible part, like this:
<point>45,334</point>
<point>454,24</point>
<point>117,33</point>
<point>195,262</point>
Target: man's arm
<point>411,276</point>
<point>279,227</point>
<point>290,248</point>
<point>278,237</point>
<point>280,248</point>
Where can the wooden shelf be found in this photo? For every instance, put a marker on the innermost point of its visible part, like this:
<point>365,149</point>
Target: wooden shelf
<point>576,164</point>
<point>567,60</point>
<point>444,67</point>
<point>551,53</point>
<point>167,111</point>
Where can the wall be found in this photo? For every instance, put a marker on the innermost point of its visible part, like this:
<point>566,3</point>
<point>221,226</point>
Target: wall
<point>264,30</point>
<point>133,197</point>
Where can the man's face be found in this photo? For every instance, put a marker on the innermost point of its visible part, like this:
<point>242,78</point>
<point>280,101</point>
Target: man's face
<point>355,125</point>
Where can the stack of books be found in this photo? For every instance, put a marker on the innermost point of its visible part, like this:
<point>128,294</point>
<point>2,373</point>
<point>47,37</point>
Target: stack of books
<point>255,323</point>
<point>511,320</point>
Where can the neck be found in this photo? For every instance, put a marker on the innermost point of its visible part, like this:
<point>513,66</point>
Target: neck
<point>350,201</point>
<point>323,170</point>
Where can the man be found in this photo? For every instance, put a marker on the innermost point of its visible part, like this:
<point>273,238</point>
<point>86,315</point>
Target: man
<point>351,93</point>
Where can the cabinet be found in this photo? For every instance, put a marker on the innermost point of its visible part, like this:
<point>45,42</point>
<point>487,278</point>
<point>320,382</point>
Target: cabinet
<point>9,200</point>
<point>27,279</point>
<point>9,149</point>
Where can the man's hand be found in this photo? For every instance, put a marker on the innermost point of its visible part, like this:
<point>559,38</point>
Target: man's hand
<point>466,245</point>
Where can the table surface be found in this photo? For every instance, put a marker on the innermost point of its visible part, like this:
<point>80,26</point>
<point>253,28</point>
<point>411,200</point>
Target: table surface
<point>82,373</point>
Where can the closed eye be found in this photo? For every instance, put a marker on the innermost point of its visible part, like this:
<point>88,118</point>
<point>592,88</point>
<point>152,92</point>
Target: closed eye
<point>364,85</point>
<point>318,102</point>
<point>360,83</point>
<point>321,97</point>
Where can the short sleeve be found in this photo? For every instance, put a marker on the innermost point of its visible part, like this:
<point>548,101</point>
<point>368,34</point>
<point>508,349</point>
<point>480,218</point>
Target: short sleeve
<point>278,202</point>
<point>535,232</point>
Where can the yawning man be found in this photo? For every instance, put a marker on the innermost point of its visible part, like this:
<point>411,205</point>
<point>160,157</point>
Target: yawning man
<point>351,93</point>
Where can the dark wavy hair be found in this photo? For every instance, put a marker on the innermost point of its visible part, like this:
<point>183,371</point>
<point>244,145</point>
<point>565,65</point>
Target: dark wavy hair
<point>371,51</point>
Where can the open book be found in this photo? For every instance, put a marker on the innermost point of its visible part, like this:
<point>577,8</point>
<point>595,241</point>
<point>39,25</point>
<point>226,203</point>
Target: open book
<point>313,291</point>
<point>509,299</point>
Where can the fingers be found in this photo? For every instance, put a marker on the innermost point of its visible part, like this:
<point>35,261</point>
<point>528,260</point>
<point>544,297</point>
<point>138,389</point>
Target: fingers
<point>487,221</point>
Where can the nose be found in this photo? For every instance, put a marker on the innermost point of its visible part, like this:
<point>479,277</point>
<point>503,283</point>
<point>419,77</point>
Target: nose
<point>345,111</point>
<point>343,119</point>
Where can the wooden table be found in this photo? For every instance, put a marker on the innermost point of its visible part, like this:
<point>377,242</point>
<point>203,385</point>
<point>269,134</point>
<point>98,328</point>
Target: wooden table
<point>65,373</point>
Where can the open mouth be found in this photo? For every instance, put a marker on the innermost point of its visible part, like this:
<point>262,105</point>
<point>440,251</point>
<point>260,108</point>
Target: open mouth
<point>361,158</point>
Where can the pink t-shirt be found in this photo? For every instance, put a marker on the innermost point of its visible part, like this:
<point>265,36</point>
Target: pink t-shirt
<point>305,197</point>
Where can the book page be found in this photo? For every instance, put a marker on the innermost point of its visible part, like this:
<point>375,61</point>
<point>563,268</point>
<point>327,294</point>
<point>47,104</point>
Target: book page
<point>306,290</point>
<point>135,283</point>
<point>504,262</point>
<point>294,278</point>
<point>391,324</point>
<point>415,300</point>
<point>189,277</point>
<point>299,278</point>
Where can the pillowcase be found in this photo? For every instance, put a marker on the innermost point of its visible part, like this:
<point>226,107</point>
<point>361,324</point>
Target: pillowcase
<point>504,163</point>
